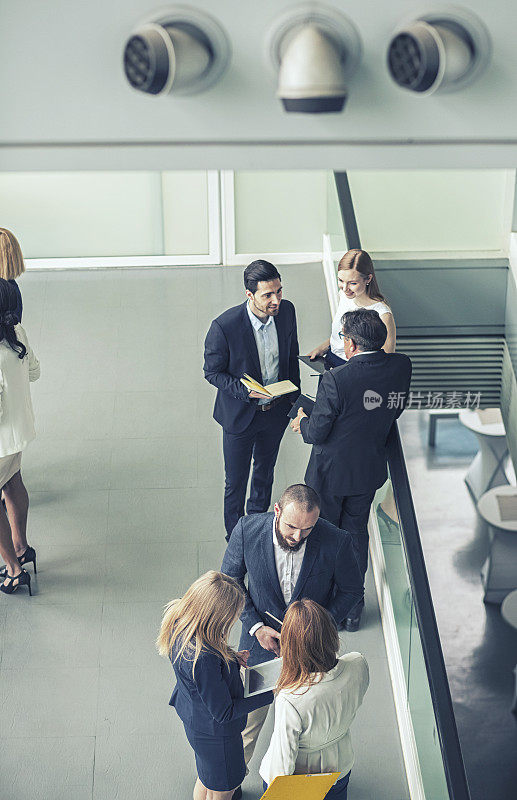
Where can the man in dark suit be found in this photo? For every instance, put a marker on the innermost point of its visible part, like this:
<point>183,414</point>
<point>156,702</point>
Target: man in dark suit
<point>355,407</point>
<point>288,554</point>
<point>258,337</point>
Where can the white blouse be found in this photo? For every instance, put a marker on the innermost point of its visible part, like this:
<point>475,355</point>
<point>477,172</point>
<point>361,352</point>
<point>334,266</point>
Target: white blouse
<point>312,727</point>
<point>348,304</point>
<point>16,414</point>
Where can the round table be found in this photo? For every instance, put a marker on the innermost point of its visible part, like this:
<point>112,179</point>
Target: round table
<point>499,572</point>
<point>487,469</point>
<point>509,614</point>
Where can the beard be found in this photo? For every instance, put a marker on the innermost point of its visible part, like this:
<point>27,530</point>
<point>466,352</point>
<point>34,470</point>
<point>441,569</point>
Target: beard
<point>289,548</point>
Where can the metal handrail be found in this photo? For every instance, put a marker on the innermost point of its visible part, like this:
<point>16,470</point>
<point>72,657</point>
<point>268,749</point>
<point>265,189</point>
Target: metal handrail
<point>433,656</point>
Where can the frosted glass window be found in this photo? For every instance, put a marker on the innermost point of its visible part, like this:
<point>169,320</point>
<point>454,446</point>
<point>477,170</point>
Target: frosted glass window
<point>404,211</point>
<point>77,214</point>
<point>185,212</point>
<point>280,211</point>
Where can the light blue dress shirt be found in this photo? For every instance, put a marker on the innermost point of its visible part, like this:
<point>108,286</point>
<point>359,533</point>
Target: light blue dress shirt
<point>266,338</point>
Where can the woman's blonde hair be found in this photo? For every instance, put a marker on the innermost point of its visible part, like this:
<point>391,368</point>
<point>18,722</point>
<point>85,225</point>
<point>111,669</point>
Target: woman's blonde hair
<point>309,644</point>
<point>202,619</point>
<point>361,261</point>
<point>11,258</point>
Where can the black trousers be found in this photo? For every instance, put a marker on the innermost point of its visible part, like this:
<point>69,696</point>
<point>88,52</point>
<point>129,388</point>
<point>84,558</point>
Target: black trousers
<point>350,514</point>
<point>261,440</point>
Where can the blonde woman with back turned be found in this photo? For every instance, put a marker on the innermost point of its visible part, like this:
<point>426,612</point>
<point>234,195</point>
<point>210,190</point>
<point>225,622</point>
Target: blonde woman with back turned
<point>11,265</point>
<point>358,288</point>
<point>318,695</point>
<point>209,695</point>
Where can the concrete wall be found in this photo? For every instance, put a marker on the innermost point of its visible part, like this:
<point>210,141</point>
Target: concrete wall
<point>63,84</point>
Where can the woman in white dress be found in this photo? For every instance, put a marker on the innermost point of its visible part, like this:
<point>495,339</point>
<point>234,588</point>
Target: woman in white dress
<point>317,697</point>
<point>18,366</point>
<point>358,288</point>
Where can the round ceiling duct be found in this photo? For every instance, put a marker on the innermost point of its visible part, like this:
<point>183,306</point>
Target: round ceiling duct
<point>181,50</point>
<point>440,51</point>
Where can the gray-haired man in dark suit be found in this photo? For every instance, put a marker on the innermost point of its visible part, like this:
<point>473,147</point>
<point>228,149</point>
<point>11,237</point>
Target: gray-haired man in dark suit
<point>355,407</point>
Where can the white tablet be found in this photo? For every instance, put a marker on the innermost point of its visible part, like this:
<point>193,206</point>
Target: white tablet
<point>261,677</point>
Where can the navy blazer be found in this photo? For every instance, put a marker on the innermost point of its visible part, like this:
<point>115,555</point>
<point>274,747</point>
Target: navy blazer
<point>329,575</point>
<point>212,702</point>
<point>231,351</point>
<point>347,432</point>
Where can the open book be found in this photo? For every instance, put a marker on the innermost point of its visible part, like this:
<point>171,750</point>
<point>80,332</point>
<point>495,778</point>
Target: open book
<point>272,389</point>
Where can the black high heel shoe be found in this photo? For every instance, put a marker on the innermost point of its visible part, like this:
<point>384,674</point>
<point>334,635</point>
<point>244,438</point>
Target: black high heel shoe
<point>22,579</point>
<point>28,557</point>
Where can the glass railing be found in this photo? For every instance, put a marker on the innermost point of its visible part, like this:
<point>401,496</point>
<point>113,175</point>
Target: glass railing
<point>430,740</point>
<point>429,702</point>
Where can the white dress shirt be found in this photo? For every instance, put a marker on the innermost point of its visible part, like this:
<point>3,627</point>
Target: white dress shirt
<point>312,726</point>
<point>288,566</point>
<point>16,414</point>
<point>266,338</point>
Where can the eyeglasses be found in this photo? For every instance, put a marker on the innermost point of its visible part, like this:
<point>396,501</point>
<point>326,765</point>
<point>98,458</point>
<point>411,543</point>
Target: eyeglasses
<point>343,335</point>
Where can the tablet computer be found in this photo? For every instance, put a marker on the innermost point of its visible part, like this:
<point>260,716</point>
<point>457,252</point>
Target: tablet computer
<point>261,677</point>
<point>318,364</point>
<point>302,401</point>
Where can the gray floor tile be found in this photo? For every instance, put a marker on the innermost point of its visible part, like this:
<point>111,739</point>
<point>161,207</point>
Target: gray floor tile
<point>50,464</point>
<point>211,554</point>
<point>210,462</point>
<point>377,763</point>
<point>128,633</point>
<point>69,572</point>
<point>52,635</point>
<point>153,463</point>
<point>158,571</point>
<point>152,289</point>
<point>89,330</point>
<point>366,639</point>
<point>138,767</point>
<point>78,415</point>
<point>55,701</point>
<point>147,515</point>
<point>153,414</point>
<point>39,769</point>
<point>133,701</point>
<point>157,365</point>
<point>377,702</point>
<point>177,322</point>
<point>3,615</point>
<point>87,368</point>
<point>205,425</point>
<point>78,289</point>
<point>71,517</point>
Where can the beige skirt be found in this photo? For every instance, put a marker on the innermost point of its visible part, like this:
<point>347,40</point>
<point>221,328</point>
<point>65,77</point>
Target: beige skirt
<point>9,466</point>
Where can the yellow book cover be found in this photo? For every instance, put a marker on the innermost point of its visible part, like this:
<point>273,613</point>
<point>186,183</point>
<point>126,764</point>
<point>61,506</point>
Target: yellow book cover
<point>272,389</point>
<point>300,787</point>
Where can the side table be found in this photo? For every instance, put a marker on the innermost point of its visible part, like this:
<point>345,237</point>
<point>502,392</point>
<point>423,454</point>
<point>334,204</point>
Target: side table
<point>487,469</point>
<point>499,572</point>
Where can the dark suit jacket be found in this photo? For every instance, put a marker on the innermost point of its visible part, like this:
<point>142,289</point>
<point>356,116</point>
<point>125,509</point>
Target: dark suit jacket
<point>213,701</point>
<point>349,440</point>
<point>329,574</point>
<point>231,350</point>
